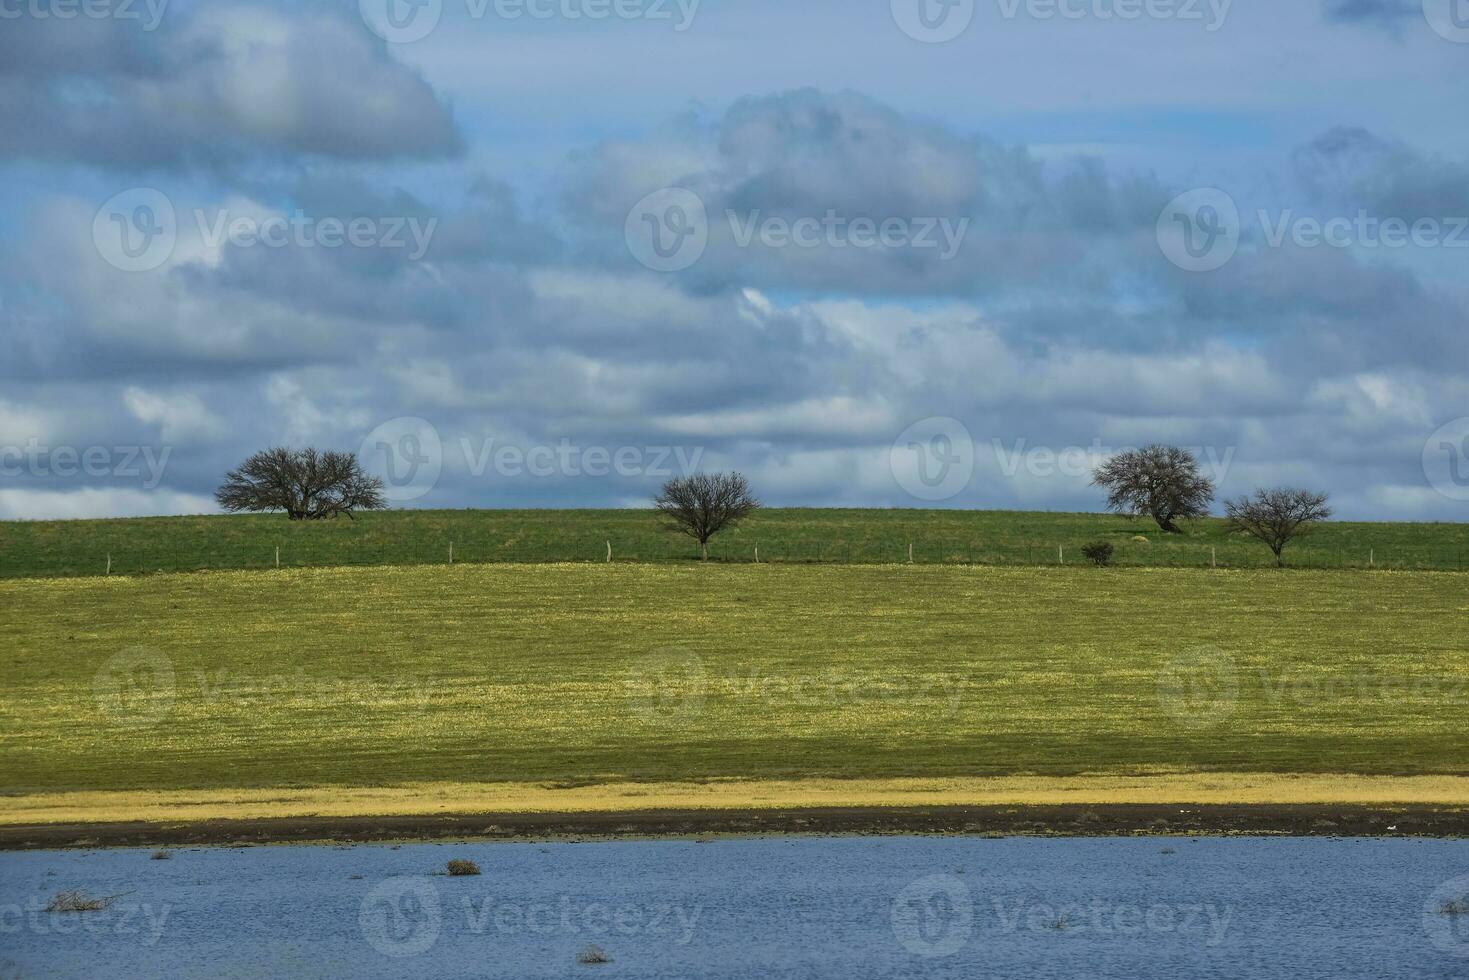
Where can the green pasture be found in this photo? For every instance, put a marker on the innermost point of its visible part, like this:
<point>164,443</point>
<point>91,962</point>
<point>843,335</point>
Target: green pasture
<point>573,673</point>
<point>177,544</point>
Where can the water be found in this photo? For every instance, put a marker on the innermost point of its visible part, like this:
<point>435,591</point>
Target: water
<point>806,907</point>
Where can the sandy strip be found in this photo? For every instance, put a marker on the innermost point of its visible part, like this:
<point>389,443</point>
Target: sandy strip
<point>430,799</point>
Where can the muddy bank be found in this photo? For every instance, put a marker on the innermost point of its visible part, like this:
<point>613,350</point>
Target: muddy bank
<point>1305,820</point>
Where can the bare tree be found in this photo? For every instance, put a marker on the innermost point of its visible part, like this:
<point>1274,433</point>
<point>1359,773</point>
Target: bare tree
<point>1277,516</point>
<point>704,504</point>
<point>308,485</point>
<point>1161,482</point>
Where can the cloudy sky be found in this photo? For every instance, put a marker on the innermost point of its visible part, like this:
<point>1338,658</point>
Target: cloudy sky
<point>870,252</point>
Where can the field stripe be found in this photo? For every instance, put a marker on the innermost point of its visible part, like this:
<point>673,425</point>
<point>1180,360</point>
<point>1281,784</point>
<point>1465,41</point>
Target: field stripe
<point>426,799</point>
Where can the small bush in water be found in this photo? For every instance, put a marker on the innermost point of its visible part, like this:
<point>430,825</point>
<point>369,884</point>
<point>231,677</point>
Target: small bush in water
<point>77,902</point>
<point>591,955</point>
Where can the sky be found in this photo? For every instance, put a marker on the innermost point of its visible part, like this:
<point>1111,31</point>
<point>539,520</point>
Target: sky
<point>870,253</point>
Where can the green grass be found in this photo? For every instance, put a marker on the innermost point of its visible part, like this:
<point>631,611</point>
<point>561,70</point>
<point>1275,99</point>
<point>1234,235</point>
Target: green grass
<point>172,544</point>
<point>657,672</point>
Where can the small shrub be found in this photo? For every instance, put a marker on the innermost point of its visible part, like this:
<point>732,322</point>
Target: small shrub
<point>592,955</point>
<point>77,902</point>
<point>161,856</point>
<point>459,868</point>
<point>1457,906</point>
<point>1099,553</point>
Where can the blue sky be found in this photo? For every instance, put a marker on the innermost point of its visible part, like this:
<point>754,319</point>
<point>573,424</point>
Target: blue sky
<point>890,270</point>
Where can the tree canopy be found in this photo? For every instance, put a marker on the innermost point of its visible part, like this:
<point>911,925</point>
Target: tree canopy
<point>704,504</point>
<point>1161,482</point>
<point>1277,516</point>
<point>305,483</point>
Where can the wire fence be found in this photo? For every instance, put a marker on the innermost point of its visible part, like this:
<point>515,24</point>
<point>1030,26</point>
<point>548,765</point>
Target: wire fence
<point>136,557</point>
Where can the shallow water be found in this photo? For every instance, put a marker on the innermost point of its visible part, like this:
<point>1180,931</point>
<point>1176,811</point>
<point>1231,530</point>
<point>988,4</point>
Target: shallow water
<point>805,907</point>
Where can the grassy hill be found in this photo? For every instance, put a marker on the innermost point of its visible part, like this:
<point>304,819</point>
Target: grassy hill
<point>173,544</point>
<point>570,673</point>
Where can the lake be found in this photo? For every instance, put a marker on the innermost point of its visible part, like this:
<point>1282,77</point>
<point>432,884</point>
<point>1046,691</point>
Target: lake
<point>1130,908</point>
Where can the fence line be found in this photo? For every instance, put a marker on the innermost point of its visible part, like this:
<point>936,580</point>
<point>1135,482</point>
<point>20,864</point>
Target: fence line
<point>792,550</point>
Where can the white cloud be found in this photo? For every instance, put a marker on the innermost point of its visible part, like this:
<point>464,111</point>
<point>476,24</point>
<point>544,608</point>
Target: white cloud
<point>56,505</point>
<point>20,424</point>
<point>180,417</point>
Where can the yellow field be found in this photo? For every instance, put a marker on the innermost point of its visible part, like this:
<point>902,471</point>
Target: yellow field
<point>488,799</point>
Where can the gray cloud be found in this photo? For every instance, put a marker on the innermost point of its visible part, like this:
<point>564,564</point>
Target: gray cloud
<point>214,86</point>
<point>1383,13</point>
<point>1350,166</point>
<point>806,153</point>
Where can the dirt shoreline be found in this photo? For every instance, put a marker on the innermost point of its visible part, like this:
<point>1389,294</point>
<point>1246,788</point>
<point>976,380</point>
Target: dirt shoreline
<point>1087,820</point>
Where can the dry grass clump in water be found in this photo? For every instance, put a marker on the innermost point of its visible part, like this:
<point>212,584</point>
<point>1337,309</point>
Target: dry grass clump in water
<point>592,955</point>
<point>459,868</point>
<point>77,902</point>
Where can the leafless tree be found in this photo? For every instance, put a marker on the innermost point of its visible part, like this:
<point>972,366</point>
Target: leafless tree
<point>704,504</point>
<point>308,485</point>
<point>1276,516</point>
<point>1161,482</point>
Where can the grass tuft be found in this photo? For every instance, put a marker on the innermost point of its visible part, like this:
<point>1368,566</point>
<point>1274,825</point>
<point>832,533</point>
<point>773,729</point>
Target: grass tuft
<point>593,955</point>
<point>74,901</point>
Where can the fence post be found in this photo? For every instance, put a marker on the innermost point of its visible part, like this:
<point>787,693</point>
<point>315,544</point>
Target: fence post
<point>1372,558</point>
<point>910,552</point>
<point>277,556</point>
<point>1061,553</point>
<point>451,552</point>
<point>109,563</point>
<point>609,552</point>
<point>757,554</point>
